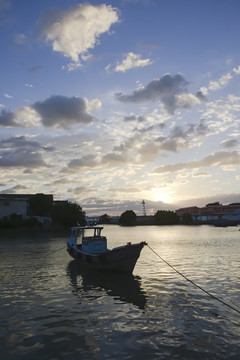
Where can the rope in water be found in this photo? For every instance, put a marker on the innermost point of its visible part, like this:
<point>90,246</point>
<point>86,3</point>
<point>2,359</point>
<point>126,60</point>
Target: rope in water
<point>193,283</point>
<point>52,252</point>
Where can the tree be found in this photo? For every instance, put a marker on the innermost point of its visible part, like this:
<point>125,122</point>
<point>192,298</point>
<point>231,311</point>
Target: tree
<point>105,219</point>
<point>41,204</point>
<point>68,214</point>
<point>128,218</point>
<point>163,217</point>
<point>187,219</point>
<point>216,203</point>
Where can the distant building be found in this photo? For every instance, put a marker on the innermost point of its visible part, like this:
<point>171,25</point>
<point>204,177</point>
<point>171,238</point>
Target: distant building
<point>92,220</point>
<point>13,204</point>
<point>212,214</point>
<point>19,204</point>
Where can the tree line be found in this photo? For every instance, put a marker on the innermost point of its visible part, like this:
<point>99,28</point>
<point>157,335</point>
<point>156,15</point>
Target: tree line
<point>161,217</point>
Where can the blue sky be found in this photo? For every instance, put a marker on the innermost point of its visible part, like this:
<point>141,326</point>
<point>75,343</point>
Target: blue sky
<point>109,103</point>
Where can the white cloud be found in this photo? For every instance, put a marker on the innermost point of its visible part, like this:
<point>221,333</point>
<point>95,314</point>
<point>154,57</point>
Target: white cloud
<point>8,96</point>
<point>72,66</point>
<point>223,81</point>
<point>19,41</point>
<point>76,30</point>
<point>132,61</point>
<point>237,70</point>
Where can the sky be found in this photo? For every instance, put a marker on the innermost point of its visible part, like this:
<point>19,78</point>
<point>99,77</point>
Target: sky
<point>109,103</point>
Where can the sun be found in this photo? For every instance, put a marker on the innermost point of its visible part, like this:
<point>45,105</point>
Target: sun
<point>161,194</point>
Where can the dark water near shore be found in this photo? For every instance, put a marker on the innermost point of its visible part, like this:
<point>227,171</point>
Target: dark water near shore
<point>52,309</point>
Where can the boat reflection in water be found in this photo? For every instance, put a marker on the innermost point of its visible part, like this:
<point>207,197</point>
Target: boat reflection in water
<point>121,286</point>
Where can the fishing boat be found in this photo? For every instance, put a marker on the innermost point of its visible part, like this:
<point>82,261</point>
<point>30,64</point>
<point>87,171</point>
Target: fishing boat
<point>89,247</point>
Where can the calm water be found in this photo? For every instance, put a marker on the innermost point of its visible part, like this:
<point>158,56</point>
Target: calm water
<point>52,309</point>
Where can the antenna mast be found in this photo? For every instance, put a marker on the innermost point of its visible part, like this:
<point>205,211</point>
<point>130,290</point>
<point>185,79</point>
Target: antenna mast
<point>144,210</point>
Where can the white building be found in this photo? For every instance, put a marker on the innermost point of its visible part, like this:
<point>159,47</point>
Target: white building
<point>13,204</point>
<point>18,204</point>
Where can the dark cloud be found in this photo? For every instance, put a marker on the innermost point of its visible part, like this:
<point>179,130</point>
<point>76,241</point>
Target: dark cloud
<point>85,161</point>
<point>35,68</point>
<point>114,159</point>
<point>22,142</point>
<point>22,158</point>
<point>166,89</point>
<point>181,136</point>
<point>15,189</point>
<point>201,129</point>
<point>139,118</point>
<point>8,119</point>
<point>21,152</point>
<point>230,143</point>
<point>220,158</point>
<point>62,111</point>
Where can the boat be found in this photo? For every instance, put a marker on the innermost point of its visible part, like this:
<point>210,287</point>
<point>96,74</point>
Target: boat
<point>89,247</point>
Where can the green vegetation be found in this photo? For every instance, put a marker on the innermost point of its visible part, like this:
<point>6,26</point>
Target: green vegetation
<point>128,218</point>
<point>68,214</point>
<point>41,205</point>
<point>187,219</point>
<point>216,203</point>
<point>105,219</point>
<point>163,217</point>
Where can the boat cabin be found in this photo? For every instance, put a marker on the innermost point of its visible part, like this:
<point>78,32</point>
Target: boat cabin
<point>90,239</point>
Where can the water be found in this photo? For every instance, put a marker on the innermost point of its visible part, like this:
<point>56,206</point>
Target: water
<point>52,309</point>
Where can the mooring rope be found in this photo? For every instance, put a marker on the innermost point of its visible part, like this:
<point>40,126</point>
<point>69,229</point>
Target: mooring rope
<point>52,252</point>
<point>193,283</point>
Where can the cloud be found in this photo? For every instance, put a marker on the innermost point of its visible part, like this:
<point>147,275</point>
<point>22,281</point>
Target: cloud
<point>230,143</point>
<point>20,41</point>
<point>139,118</point>
<point>220,159</point>
<point>35,68</point>
<point>5,5</point>
<point>15,189</point>
<point>56,111</point>
<point>87,161</point>
<point>223,81</point>
<point>76,30</point>
<point>170,90</point>
<point>22,117</point>
<point>19,151</point>
<point>8,96</point>
<point>62,111</point>
<point>237,70</point>
<point>132,61</point>
<point>114,159</point>
<point>182,137</point>
<point>8,119</point>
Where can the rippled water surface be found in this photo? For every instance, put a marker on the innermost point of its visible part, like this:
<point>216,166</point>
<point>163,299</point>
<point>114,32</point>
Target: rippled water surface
<point>53,309</point>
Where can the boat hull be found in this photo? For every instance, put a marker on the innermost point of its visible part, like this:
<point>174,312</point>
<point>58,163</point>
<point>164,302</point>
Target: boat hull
<point>121,259</point>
